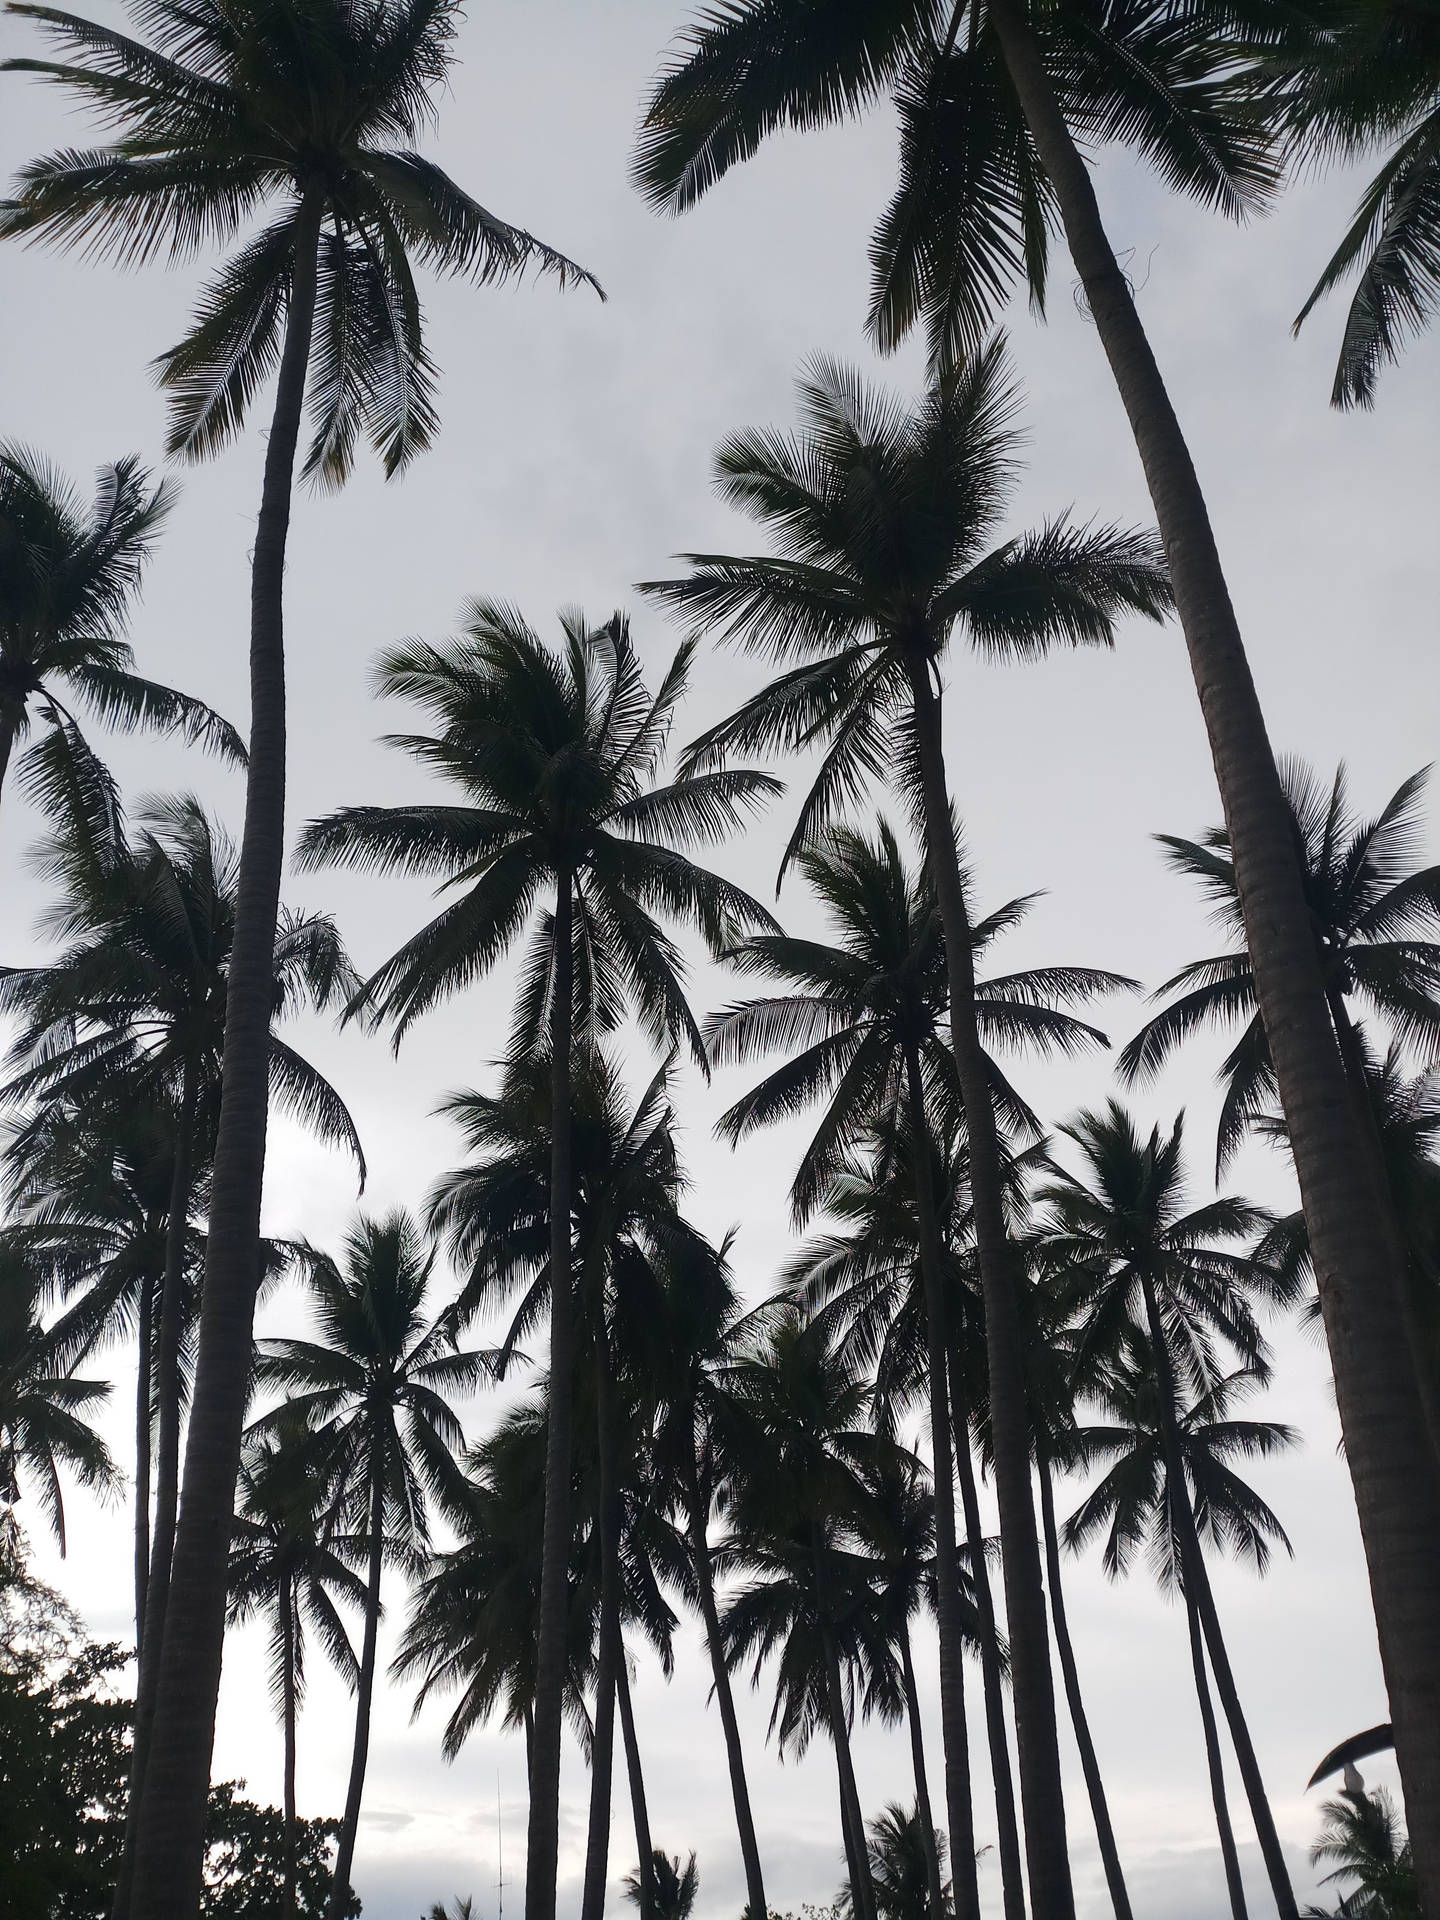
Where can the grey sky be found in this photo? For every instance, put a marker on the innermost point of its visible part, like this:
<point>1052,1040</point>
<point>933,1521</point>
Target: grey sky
<point>575,460</point>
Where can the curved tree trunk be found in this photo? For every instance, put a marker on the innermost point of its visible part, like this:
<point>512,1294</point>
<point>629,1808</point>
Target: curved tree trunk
<point>639,1805</point>
<point>1007,1828</point>
<point>364,1694</point>
<point>543,1833</point>
<point>959,1804</point>
<point>1070,1673</point>
<point>602,1745</point>
<point>144,1383</point>
<point>167,1481</point>
<point>697,1514</point>
<point>862,1889</point>
<point>170,1847</point>
<point>287,1707</point>
<point>1197,1587</point>
<point>935,1897</point>
<point>1037,1744</point>
<point>1387,1441</point>
<point>1216,1763</point>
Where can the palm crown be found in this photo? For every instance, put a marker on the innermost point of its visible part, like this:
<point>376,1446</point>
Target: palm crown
<point>316,104</point>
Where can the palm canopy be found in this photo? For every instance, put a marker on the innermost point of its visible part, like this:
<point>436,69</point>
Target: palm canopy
<point>1350,82</point>
<point>1363,1842</point>
<point>973,211</point>
<point>1376,916</point>
<point>673,1887</point>
<point>899,1867</point>
<point>883,516</point>
<point>135,1002</point>
<point>68,577</point>
<point>220,113</point>
<point>44,1409</point>
<point>555,757</point>
<point>859,1004</point>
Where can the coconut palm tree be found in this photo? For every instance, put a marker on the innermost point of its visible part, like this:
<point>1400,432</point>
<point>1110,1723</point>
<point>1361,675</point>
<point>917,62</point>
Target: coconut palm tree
<point>372,1399</point>
<point>44,1409</point>
<point>1352,82</point>
<point>884,517</point>
<point>862,1018</point>
<point>1148,1274</point>
<point>309,110</point>
<point>555,756</point>
<point>283,1566</point>
<point>996,100</point>
<point>68,576</point>
<point>1363,1838</point>
<point>675,1887</point>
<point>901,1852</point>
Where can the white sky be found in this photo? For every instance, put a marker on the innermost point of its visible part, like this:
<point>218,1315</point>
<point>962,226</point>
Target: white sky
<point>574,460</point>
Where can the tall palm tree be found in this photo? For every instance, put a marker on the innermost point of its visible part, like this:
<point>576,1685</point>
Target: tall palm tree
<point>900,1864</point>
<point>310,109</point>
<point>372,1398</point>
<point>555,757</point>
<point>283,1565</point>
<point>1168,1484</point>
<point>68,576</point>
<point>1363,1841</point>
<point>862,1018</point>
<point>1145,1272</point>
<point>44,1410</point>
<point>883,516</point>
<point>1351,82</point>
<point>996,99</point>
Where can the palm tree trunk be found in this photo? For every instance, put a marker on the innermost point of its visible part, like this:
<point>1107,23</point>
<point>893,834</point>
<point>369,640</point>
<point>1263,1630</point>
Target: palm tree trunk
<point>935,1897</point>
<point>698,1510</point>
<point>144,1382</point>
<point>1215,1761</point>
<point>171,1841</point>
<point>639,1805</point>
<point>364,1693</point>
<point>9,733</point>
<point>1032,1687</point>
<point>1387,1443</point>
<point>959,1805</point>
<point>167,1483</point>
<point>1197,1586</point>
<point>1090,1765</point>
<point>543,1833</point>
<point>287,1703</point>
<point>602,1745</point>
<point>1007,1829</point>
<point>857,1859</point>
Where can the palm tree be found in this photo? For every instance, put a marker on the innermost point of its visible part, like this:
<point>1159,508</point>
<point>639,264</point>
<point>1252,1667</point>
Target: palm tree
<point>865,1015</point>
<point>44,1409</point>
<point>372,1399</point>
<point>1144,1502</point>
<point>555,757</point>
<point>673,1889</point>
<point>283,1565</point>
<point>1364,1839</point>
<point>68,576</point>
<point>901,1852</point>
<point>883,516</point>
<point>316,105</point>
<point>1351,82</point>
<point>992,100</point>
<point>1152,1277</point>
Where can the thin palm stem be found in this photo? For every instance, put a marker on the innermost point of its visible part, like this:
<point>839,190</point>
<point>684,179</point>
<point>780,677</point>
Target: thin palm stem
<point>364,1692</point>
<point>1215,1762</point>
<point>935,1899</point>
<point>602,1744</point>
<point>635,1778</point>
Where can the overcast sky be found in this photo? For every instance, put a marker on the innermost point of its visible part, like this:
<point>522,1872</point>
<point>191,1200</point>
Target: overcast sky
<point>574,460</point>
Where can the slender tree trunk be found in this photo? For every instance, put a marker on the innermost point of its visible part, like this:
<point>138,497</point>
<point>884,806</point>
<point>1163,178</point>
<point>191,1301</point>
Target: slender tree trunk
<point>9,729</point>
<point>639,1805</point>
<point>144,1382</point>
<point>171,1843</point>
<point>1037,1744</point>
<point>1197,1587</point>
<point>862,1889</point>
<point>959,1804</point>
<point>529,1746</point>
<point>1090,1765</point>
<point>1387,1442</point>
<point>364,1693</point>
<point>543,1837</point>
<point>935,1897</point>
<point>287,1703</point>
<point>167,1481</point>
<point>698,1513</point>
<point>1216,1763</point>
<point>1007,1827</point>
<point>602,1745</point>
